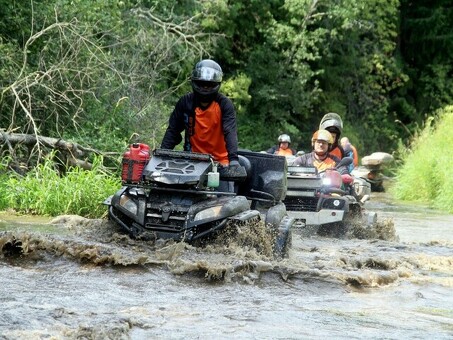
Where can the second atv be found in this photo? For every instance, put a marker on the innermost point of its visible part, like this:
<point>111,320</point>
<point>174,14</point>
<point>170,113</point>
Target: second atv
<point>323,203</point>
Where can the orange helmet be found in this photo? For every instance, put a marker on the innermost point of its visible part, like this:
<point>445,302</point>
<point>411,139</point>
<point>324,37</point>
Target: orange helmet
<point>322,135</point>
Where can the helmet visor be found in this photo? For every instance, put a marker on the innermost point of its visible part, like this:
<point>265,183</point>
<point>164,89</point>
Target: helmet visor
<point>205,84</point>
<point>205,73</point>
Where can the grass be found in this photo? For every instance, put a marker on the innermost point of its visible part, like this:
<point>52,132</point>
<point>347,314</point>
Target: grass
<point>44,191</point>
<point>427,171</point>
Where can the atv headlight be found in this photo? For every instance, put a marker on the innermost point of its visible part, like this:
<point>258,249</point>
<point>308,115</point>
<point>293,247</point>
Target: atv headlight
<point>326,181</point>
<point>208,213</point>
<point>333,203</point>
<point>128,204</point>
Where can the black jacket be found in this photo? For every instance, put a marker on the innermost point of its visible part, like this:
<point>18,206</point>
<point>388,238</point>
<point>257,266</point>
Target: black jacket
<point>179,121</point>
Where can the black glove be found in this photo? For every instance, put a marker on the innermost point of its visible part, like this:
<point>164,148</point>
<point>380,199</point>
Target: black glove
<point>233,172</point>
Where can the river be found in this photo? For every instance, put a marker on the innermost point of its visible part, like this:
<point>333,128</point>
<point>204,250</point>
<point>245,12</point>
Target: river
<point>74,278</point>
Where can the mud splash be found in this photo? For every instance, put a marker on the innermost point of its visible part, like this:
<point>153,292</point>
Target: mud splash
<point>78,278</point>
<point>382,230</point>
<point>370,257</point>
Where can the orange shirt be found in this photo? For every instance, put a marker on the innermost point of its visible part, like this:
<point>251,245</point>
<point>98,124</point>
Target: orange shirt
<point>327,163</point>
<point>208,137</point>
<point>284,152</point>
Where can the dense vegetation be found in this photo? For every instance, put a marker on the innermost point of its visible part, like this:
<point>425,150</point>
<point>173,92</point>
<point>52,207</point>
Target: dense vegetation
<point>42,191</point>
<point>428,163</point>
<point>104,73</point>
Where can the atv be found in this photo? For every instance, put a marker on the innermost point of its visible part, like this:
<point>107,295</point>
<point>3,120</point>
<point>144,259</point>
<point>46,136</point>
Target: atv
<point>326,203</point>
<point>177,197</point>
<point>372,169</point>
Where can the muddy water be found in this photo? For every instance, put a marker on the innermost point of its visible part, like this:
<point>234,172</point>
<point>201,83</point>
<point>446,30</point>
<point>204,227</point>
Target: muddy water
<point>82,279</point>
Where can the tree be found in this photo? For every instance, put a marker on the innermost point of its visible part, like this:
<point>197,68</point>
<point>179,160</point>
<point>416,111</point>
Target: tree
<point>427,48</point>
<point>102,72</point>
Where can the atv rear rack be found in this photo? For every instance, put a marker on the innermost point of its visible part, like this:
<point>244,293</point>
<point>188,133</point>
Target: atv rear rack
<point>183,154</point>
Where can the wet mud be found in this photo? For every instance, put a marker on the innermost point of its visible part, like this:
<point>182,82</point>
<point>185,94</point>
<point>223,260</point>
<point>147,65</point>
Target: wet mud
<point>240,253</point>
<point>80,278</point>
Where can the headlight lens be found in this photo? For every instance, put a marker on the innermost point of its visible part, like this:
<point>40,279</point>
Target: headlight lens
<point>326,181</point>
<point>128,204</point>
<point>332,203</point>
<point>208,213</point>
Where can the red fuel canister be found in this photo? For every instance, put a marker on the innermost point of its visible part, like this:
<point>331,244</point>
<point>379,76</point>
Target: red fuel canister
<point>134,161</point>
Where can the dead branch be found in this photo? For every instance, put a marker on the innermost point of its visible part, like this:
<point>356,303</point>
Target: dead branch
<point>73,152</point>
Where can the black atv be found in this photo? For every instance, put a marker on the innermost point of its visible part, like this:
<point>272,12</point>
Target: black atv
<point>177,198</point>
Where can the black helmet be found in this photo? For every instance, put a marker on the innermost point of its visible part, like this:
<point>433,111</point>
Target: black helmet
<point>206,77</point>
<point>332,122</point>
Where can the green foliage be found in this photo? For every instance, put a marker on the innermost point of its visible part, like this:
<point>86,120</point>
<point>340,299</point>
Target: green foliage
<point>106,73</point>
<point>274,47</point>
<point>43,191</point>
<point>426,171</point>
<point>361,74</point>
<point>426,41</point>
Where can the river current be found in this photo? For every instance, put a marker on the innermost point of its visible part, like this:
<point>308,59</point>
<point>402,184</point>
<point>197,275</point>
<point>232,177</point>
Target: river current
<point>75,278</point>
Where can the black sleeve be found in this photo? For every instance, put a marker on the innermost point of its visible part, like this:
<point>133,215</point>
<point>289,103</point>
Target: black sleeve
<point>175,127</point>
<point>229,127</point>
<point>272,150</point>
<point>305,160</point>
<point>343,170</point>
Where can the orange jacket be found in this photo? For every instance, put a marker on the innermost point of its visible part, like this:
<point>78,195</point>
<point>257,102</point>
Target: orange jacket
<point>337,152</point>
<point>211,130</point>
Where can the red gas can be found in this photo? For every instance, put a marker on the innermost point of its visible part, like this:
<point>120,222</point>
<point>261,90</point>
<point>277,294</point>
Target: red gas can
<point>134,161</point>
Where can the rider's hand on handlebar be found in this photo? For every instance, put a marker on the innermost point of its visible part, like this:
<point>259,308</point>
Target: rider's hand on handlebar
<point>234,171</point>
<point>234,164</point>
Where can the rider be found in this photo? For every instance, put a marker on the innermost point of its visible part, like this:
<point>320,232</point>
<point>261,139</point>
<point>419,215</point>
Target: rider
<point>333,123</point>
<point>350,151</point>
<point>207,117</point>
<point>283,147</point>
<point>320,157</point>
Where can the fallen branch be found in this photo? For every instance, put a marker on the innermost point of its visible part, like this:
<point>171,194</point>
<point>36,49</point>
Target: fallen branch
<point>73,152</point>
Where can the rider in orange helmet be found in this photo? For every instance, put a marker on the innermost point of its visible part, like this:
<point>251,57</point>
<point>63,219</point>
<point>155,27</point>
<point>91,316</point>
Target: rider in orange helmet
<point>320,157</point>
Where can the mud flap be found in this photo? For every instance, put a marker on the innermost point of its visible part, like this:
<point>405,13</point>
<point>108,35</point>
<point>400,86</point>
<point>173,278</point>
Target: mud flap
<point>281,224</point>
<point>283,238</point>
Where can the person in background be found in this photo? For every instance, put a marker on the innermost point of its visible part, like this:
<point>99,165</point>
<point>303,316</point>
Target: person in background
<point>350,151</point>
<point>283,147</point>
<point>208,119</point>
<point>320,157</point>
<point>333,123</point>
